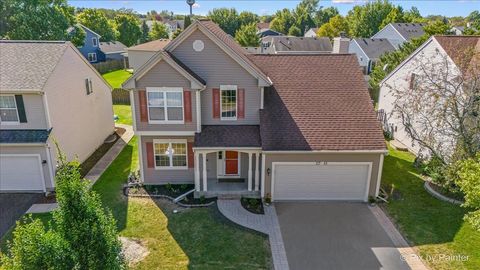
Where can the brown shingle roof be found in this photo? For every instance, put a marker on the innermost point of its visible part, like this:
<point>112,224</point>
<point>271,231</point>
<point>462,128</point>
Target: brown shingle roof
<point>228,136</point>
<point>460,48</point>
<point>152,46</point>
<point>317,102</point>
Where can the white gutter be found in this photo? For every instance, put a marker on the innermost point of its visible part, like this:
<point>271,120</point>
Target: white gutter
<point>330,152</point>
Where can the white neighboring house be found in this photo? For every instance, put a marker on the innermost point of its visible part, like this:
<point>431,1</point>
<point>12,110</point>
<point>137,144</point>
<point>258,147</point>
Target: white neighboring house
<point>140,54</point>
<point>312,32</point>
<point>436,51</point>
<point>48,92</point>
<point>399,33</point>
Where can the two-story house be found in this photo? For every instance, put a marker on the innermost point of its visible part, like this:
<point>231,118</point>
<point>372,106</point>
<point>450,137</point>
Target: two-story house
<point>48,93</point>
<point>369,51</point>
<point>288,127</point>
<point>399,33</point>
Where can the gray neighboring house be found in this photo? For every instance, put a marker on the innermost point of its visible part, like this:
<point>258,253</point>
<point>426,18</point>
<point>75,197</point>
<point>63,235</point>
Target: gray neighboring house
<point>48,92</point>
<point>369,50</point>
<point>113,50</point>
<point>458,30</point>
<point>398,33</point>
<point>295,45</point>
<point>312,32</point>
<point>207,112</point>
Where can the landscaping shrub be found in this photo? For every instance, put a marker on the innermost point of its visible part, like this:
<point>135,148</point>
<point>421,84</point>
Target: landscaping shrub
<point>468,179</point>
<point>441,175</point>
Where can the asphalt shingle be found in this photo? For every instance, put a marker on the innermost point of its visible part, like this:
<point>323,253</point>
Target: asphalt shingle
<point>228,136</point>
<point>24,135</point>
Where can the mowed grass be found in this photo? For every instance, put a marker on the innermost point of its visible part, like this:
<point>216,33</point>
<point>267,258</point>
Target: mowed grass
<point>434,227</point>
<point>192,239</point>
<point>124,113</point>
<point>117,77</point>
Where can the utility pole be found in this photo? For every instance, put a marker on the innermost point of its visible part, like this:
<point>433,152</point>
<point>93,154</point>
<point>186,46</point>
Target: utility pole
<point>190,3</point>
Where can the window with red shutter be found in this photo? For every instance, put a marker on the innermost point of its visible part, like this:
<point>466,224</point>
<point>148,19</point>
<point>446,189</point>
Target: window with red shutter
<point>191,158</point>
<point>150,157</point>
<point>187,100</point>
<point>216,102</point>
<point>241,103</point>
<point>142,100</point>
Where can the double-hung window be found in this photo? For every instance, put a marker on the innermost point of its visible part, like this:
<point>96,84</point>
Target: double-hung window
<point>95,42</point>
<point>165,105</point>
<point>8,110</point>
<point>170,154</point>
<point>228,102</point>
<point>92,57</point>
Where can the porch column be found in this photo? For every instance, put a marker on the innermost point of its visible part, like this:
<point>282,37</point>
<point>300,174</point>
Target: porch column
<point>197,171</point>
<point>257,170</point>
<point>204,163</point>
<point>249,171</point>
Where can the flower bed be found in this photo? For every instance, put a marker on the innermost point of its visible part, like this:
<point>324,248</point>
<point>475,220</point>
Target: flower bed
<point>170,192</point>
<point>253,205</point>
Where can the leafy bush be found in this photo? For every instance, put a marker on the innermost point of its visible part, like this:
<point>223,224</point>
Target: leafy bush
<point>469,182</point>
<point>441,175</point>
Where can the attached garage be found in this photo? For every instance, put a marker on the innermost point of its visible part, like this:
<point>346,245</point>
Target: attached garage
<point>21,172</point>
<point>349,181</point>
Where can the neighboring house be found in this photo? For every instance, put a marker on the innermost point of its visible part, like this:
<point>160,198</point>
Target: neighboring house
<point>265,32</point>
<point>48,93</point>
<point>263,25</point>
<point>295,45</point>
<point>457,30</point>
<point>435,50</point>
<point>288,127</point>
<point>312,32</point>
<point>398,33</point>
<point>172,25</point>
<point>369,50</point>
<point>113,50</point>
<point>91,47</point>
<point>139,54</point>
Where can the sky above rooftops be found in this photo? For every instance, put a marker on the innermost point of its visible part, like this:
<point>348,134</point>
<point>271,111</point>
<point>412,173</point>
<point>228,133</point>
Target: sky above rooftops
<point>426,7</point>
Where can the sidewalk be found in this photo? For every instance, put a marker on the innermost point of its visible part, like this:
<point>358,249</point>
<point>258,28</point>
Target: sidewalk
<point>94,174</point>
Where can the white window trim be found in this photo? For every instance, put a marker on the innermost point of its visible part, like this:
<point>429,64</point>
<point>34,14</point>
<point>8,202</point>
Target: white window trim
<point>6,123</point>
<point>95,54</point>
<point>170,141</point>
<point>95,44</point>
<point>224,88</point>
<point>165,90</point>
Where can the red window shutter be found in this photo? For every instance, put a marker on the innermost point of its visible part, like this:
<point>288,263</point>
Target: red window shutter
<point>150,158</point>
<point>187,105</point>
<point>142,100</point>
<point>241,103</point>
<point>191,159</point>
<point>216,102</point>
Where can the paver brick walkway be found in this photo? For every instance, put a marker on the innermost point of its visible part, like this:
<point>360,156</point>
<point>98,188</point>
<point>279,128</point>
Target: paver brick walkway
<point>267,224</point>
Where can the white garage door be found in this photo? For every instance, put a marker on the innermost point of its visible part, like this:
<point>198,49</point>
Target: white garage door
<point>311,181</point>
<point>21,173</point>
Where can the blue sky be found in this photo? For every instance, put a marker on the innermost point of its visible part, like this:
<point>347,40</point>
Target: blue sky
<point>426,7</point>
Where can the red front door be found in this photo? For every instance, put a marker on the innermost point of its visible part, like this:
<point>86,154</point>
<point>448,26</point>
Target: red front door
<point>231,162</point>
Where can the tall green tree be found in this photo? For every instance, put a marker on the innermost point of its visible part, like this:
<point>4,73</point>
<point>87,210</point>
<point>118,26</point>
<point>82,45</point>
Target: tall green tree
<point>468,178</point>
<point>128,29</point>
<point>176,33</point>
<point>284,19</point>
<point>145,30</point>
<point>226,18</point>
<point>97,21</point>
<point>366,20</point>
<point>247,35</point>
<point>246,17</point>
<point>333,28</point>
<point>323,15</point>
<point>36,20</point>
<point>186,22</point>
<point>159,30</point>
<point>396,15</point>
<point>413,15</point>
<point>304,17</point>
<point>474,19</point>
<point>77,35</point>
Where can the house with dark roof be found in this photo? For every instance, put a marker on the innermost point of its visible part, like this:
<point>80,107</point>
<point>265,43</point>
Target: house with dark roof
<point>295,45</point>
<point>440,59</point>
<point>49,93</point>
<point>280,126</point>
<point>369,50</point>
<point>398,33</point>
<point>113,50</point>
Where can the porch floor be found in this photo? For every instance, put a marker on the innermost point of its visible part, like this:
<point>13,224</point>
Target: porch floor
<point>231,190</point>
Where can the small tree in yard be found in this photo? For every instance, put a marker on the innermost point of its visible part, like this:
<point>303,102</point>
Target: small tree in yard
<point>247,35</point>
<point>440,111</point>
<point>82,234</point>
<point>468,178</point>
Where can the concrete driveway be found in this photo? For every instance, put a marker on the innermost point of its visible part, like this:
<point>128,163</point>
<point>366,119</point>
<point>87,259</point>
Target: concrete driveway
<point>335,235</point>
<point>13,206</point>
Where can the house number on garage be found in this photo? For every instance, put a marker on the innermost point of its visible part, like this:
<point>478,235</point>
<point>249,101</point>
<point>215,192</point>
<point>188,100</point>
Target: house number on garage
<point>321,163</point>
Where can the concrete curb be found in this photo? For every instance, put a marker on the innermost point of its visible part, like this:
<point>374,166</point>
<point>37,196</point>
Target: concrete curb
<point>439,196</point>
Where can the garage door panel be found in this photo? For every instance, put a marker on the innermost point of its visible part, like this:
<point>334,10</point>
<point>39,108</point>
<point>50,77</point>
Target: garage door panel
<point>20,173</point>
<point>320,182</point>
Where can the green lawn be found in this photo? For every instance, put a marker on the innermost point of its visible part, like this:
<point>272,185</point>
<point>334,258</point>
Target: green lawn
<point>434,227</point>
<point>124,113</point>
<point>192,239</point>
<point>117,77</point>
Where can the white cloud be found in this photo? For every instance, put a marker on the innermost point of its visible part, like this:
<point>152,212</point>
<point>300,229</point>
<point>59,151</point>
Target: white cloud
<point>196,5</point>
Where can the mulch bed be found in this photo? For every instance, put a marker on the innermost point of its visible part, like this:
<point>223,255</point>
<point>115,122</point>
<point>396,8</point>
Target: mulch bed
<point>88,164</point>
<point>168,190</point>
<point>50,198</point>
<point>253,205</point>
<point>190,200</point>
<point>446,193</point>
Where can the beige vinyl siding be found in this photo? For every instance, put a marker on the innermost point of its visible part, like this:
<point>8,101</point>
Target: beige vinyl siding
<point>28,150</point>
<point>80,122</point>
<point>217,68</point>
<point>35,112</point>
<point>163,75</point>
<point>374,158</point>
<point>153,176</point>
<point>136,59</point>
